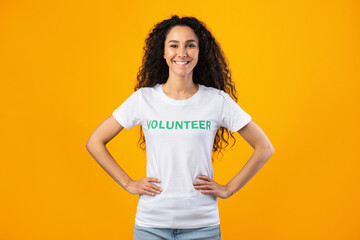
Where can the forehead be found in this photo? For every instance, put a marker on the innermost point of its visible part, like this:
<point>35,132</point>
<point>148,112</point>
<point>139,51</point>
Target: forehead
<point>181,33</point>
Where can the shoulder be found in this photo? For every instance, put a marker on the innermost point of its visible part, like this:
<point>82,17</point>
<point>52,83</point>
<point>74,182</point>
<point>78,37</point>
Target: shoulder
<point>136,94</point>
<point>142,91</point>
<point>147,92</point>
<point>211,91</point>
<point>215,93</point>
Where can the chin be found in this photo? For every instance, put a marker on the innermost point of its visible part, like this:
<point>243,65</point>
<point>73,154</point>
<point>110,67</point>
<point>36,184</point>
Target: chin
<point>183,74</point>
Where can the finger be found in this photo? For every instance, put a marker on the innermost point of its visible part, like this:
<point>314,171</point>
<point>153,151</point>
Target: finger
<point>207,191</point>
<point>152,186</point>
<point>152,189</point>
<point>156,188</point>
<point>203,187</point>
<point>151,179</point>
<point>204,177</point>
<point>148,192</point>
<point>201,182</point>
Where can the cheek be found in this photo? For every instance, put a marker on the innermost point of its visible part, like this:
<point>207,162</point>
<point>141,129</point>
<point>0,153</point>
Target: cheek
<point>195,54</point>
<point>170,53</point>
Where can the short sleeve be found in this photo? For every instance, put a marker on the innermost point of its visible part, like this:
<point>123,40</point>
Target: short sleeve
<point>232,116</point>
<point>128,113</point>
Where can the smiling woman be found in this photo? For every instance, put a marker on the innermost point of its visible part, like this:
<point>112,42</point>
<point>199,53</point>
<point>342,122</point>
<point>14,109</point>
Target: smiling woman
<point>184,103</point>
<point>181,48</point>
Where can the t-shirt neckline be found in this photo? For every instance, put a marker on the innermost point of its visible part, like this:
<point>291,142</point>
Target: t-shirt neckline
<point>177,101</point>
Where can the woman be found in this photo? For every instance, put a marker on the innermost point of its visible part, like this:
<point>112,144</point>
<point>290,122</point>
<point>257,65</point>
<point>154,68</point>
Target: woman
<point>183,106</point>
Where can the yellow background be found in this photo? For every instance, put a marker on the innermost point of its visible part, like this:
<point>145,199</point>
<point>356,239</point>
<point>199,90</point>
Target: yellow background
<point>66,65</point>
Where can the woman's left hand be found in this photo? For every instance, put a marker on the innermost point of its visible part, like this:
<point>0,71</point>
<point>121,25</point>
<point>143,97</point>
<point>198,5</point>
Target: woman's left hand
<point>209,186</point>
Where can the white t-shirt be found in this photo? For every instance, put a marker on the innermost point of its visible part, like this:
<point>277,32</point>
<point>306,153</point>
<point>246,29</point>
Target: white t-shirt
<point>179,136</point>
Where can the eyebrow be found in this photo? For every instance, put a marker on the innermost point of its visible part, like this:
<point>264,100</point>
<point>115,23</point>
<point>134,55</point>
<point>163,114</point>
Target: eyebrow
<point>191,40</point>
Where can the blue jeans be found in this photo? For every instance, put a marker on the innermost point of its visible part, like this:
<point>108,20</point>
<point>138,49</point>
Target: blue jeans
<point>203,233</point>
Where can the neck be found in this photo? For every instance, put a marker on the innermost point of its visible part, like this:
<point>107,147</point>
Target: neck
<point>180,85</point>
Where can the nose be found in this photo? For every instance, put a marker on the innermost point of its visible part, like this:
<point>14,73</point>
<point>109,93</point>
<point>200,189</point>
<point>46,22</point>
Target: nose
<point>182,52</point>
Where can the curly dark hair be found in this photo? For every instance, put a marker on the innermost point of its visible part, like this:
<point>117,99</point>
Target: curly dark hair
<point>211,69</point>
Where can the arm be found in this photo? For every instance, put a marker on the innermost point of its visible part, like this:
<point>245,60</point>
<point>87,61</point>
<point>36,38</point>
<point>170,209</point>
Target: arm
<point>96,146</point>
<point>263,150</point>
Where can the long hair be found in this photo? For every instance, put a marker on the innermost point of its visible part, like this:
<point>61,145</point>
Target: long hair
<point>211,69</point>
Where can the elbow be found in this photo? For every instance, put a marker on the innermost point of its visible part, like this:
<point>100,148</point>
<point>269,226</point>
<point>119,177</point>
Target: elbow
<point>89,144</point>
<point>268,147</point>
<point>267,150</point>
<point>271,150</point>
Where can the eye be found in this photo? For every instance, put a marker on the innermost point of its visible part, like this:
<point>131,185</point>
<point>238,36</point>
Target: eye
<point>172,45</point>
<point>192,45</point>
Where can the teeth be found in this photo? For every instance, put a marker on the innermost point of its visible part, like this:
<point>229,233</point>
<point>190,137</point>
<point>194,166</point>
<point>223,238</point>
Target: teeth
<point>182,63</point>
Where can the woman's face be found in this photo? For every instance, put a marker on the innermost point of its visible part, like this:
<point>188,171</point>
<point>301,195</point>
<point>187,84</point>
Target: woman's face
<point>181,45</point>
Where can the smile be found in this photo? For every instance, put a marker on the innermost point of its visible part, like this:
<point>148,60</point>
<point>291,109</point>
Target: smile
<point>182,63</point>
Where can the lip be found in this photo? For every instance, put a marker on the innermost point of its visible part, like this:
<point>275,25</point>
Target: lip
<point>182,64</point>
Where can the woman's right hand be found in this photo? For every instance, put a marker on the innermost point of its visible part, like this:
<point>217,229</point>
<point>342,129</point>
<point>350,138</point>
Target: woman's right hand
<point>144,186</point>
